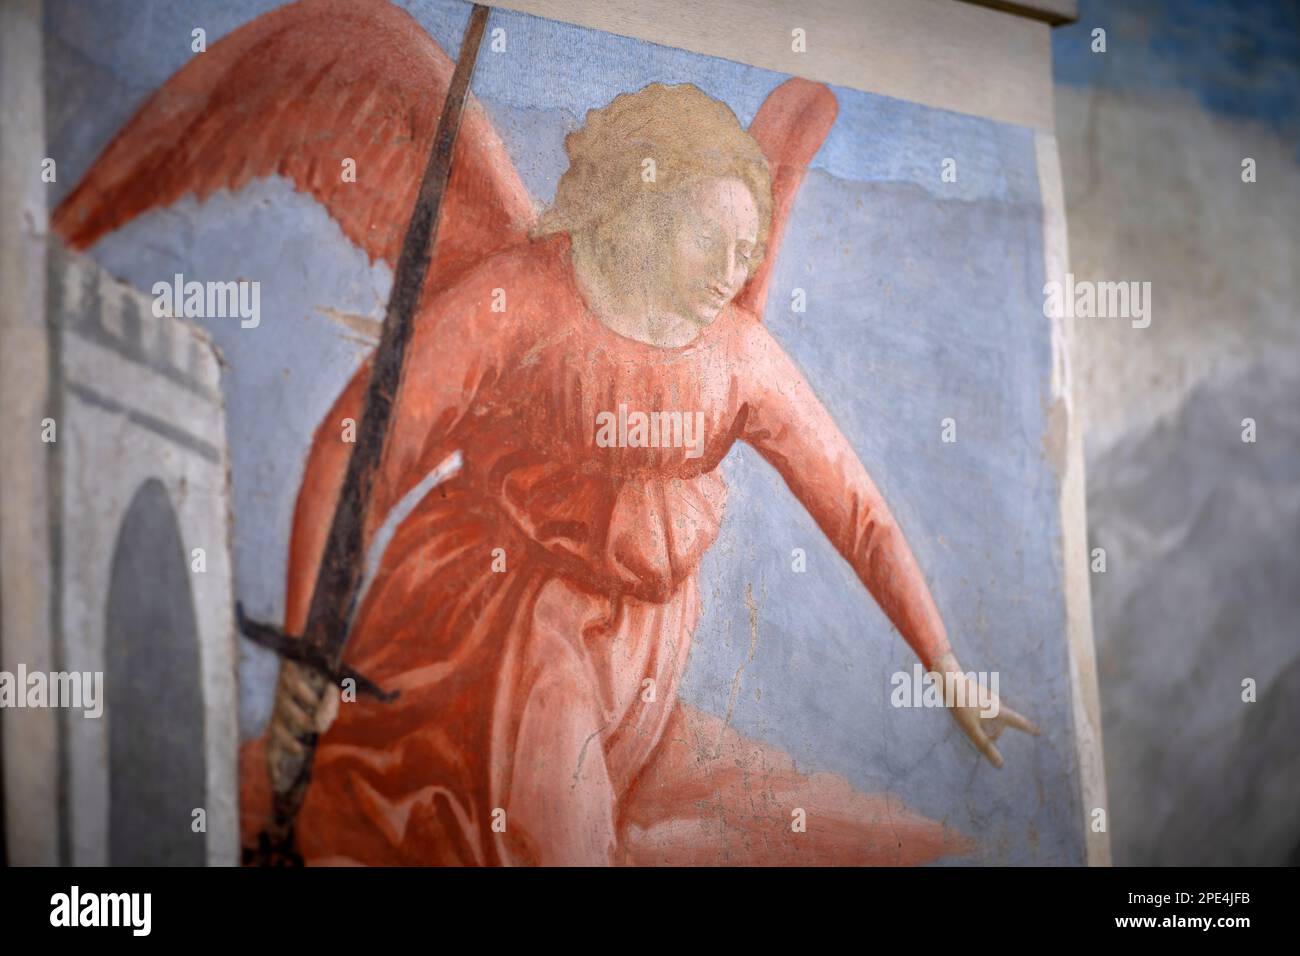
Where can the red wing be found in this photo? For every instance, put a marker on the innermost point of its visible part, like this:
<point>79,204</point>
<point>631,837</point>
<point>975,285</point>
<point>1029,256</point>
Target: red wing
<point>295,92</point>
<point>789,128</point>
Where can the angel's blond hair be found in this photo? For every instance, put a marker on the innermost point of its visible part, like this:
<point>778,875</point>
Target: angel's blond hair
<point>687,134</point>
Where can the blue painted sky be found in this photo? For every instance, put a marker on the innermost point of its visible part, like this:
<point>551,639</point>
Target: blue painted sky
<point>1239,58</point>
<point>542,86</point>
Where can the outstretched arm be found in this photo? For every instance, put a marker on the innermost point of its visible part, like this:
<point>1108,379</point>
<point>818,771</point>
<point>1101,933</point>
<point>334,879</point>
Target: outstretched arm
<point>788,426</point>
<point>791,428</point>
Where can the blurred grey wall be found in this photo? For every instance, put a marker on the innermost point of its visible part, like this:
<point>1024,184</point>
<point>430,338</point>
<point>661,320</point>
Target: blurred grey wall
<point>1201,530</point>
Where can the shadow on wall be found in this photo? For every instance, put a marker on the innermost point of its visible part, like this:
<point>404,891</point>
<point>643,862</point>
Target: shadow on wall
<point>1200,594</point>
<point>1200,528</point>
<point>155,691</point>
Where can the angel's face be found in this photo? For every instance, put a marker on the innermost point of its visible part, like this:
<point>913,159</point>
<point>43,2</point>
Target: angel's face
<point>711,251</point>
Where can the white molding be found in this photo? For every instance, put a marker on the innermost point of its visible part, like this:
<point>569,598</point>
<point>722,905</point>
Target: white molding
<point>1065,450</point>
<point>29,737</point>
<point>941,53</point>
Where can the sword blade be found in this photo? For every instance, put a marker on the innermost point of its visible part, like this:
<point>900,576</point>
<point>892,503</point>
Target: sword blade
<point>339,578</point>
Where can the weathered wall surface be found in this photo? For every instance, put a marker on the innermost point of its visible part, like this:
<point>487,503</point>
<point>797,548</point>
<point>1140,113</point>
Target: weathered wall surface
<point>1201,531</point>
<point>28,737</point>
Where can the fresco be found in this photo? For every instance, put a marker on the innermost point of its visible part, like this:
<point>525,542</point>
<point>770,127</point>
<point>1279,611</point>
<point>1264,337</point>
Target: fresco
<point>723,408</point>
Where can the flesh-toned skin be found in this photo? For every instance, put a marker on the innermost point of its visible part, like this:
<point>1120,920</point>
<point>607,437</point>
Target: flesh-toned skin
<point>712,249</point>
<point>523,692</point>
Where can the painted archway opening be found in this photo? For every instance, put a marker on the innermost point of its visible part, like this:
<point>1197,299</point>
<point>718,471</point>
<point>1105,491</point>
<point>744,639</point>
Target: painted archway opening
<point>157,769</point>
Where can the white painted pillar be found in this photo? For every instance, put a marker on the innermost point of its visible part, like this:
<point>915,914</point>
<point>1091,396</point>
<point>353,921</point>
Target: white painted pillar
<point>29,738</point>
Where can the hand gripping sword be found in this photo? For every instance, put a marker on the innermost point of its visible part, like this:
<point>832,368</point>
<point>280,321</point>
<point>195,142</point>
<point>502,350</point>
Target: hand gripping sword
<point>339,578</point>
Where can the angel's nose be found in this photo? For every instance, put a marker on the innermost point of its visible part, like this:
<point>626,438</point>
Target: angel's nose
<point>725,271</point>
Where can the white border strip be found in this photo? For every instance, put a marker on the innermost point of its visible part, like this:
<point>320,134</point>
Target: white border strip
<point>1065,450</point>
<point>940,53</point>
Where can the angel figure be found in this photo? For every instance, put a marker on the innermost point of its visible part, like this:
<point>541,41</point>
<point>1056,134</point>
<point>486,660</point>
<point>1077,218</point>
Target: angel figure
<point>525,604</point>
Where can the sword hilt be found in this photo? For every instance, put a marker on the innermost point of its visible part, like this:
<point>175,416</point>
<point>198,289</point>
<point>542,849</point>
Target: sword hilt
<point>303,652</point>
<point>276,846</point>
<point>273,851</point>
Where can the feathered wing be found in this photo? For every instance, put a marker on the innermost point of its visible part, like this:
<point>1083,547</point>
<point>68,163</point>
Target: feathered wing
<point>295,92</point>
<point>790,127</point>
<point>300,89</point>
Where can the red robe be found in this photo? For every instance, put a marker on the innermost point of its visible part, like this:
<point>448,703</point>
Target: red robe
<point>524,700</point>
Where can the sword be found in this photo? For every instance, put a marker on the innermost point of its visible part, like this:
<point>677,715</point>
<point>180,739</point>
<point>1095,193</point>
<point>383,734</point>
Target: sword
<point>340,576</point>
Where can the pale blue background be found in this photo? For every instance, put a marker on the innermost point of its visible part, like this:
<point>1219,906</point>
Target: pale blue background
<point>924,303</point>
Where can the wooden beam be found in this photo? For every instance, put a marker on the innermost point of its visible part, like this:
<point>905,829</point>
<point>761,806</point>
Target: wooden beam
<point>1052,12</point>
